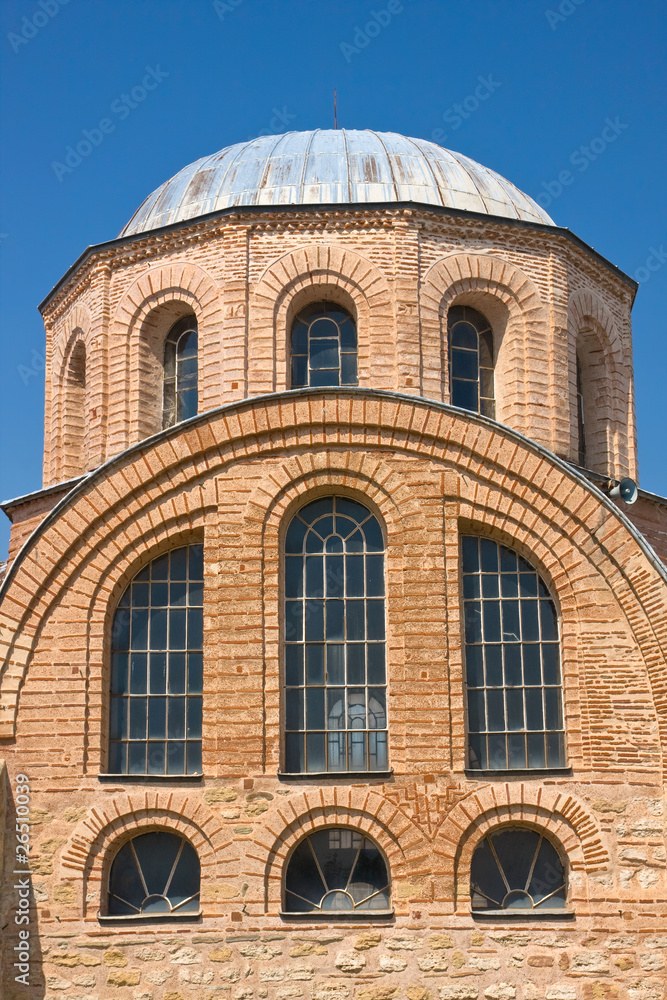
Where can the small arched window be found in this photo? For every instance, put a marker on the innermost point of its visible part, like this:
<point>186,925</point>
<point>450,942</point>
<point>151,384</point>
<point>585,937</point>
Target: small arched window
<point>180,395</point>
<point>515,705</point>
<point>157,669</point>
<point>323,347</point>
<point>515,868</point>
<point>336,869</point>
<point>154,874</point>
<point>335,677</point>
<point>471,361</point>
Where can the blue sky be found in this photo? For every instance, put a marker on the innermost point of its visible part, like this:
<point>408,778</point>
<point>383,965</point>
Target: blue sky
<point>225,71</point>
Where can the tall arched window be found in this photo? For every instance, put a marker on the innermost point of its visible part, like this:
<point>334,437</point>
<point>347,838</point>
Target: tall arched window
<point>323,347</point>
<point>336,870</point>
<point>515,709</point>
<point>180,372</point>
<point>471,361</point>
<point>157,669</point>
<point>335,675</point>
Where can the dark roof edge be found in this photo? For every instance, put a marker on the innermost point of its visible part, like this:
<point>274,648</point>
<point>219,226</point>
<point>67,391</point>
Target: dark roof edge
<point>46,491</point>
<point>493,425</point>
<point>342,206</point>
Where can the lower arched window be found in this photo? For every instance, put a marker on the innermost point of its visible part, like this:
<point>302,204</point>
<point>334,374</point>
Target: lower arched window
<point>154,874</point>
<point>337,869</point>
<point>515,868</point>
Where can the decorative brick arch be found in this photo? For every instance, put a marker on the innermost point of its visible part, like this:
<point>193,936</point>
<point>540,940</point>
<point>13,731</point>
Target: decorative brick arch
<point>522,340</point>
<point>359,808</point>
<point>373,482</point>
<point>559,815</point>
<point>138,329</point>
<point>96,838</point>
<point>159,486</point>
<point>594,339</point>
<point>311,274</point>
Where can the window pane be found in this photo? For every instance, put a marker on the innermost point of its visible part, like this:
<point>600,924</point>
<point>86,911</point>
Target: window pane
<point>294,716</point>
<point>513,700</point>
<point>347,624</point>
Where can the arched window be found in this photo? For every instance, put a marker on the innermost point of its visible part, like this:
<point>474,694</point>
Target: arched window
<point>336,869</point>
<point>335,677</point>
<point>515,868</point>
<point>581,434</point>
<point>515,710</point>
<point>471,361</point>
<point>156,668</point>
<point>154,874</point>
<point>180,372</point>
<point>324,347</point>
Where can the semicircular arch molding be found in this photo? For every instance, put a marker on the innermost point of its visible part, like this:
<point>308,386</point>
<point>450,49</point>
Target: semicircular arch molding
<point>311,274</point>
<point>359,808</point>
<point>385,492</point>
<point>559,815</point>
<point>97,837</point>
<point>512,304</point>
<point>140,324</point>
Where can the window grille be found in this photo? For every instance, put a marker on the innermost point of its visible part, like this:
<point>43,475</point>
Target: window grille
<point>180,399</point>
<point>515,712</point>
<point>323,347</point>
<point>157,668</point>
<point>336,869</point>
<point>517,869</point>
<point>154,874</point>
<point>471,361</point>
<point>335,676</point>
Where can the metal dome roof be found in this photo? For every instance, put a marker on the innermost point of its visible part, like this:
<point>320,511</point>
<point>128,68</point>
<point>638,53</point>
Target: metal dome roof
<point>327,167</point>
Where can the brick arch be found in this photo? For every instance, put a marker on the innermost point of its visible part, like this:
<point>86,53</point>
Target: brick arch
<point>384,491</point>
<point>595,340</point>
<point>512,304</point>
<point>359,808</point>
<point>559,815</point>
<point>151,489</point>
<point>141,321</point>
<point>96,838</point>
<point>308,275</point>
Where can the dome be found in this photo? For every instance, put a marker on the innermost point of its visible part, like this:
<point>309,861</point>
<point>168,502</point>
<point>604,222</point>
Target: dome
<point>332,167</point>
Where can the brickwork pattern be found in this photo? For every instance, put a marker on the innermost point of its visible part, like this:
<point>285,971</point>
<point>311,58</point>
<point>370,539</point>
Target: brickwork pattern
<point>397,270</point>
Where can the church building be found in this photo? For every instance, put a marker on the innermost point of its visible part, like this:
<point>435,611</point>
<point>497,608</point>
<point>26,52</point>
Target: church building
<point>333,650</point>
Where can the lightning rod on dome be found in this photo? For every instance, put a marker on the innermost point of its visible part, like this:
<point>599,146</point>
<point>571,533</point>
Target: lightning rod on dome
<point>335,112</point>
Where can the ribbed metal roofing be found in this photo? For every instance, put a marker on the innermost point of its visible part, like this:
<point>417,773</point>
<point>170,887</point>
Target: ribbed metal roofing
<point>326,167</point>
